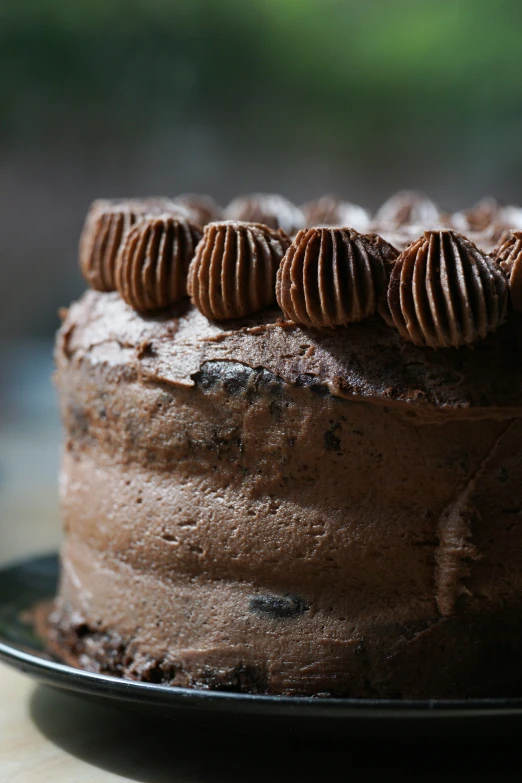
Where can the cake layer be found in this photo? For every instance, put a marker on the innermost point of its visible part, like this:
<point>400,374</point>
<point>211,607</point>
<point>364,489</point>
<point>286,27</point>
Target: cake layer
<point>229,635</point>
<point>269,508</point>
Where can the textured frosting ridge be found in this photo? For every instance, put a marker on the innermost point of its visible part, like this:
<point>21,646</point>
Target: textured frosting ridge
<point>202,209</point>
<point>408,207</point>
<point>333,276</point>
<point>233,272</point>
<point>270,209</point>
<point>331,211</point>
<point>462,298</point>
<point>104,231</point>
<point>153,261</point>
<point>509,255</point>
<point>479,217</point>
<point>445,293</point>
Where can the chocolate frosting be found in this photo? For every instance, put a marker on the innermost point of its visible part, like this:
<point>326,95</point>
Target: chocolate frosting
<point>234,270</point>
<point>444,293</point>
<point>267,507</point>
<point>364,360</point>
<point>153,261</point>
<point>477,218</point>
<point>408,207</point>
<point>509,256</point>
<point>487,223</point>
<point>201,209</point>
<point>333,276</point>
<point>331,211</point>
<point>271,209</point>
<point>105,228</point>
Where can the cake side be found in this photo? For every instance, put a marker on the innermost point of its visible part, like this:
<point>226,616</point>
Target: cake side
<point>265,507</point>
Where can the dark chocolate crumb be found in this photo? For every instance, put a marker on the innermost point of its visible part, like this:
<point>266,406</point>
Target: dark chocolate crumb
<point>232,377</point>
<point>314,384</point>
<point>238,379</point>
<point>278,607</point>
<point>332,442</point>
<point>145,349</point>
<point>78,420</point>
<point>239,679</point>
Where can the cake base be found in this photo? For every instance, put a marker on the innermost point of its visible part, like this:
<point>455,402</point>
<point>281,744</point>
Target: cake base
<point>422,665</point>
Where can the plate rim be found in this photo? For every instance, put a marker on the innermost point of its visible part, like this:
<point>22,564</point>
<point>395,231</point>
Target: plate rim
<point>115,688</point>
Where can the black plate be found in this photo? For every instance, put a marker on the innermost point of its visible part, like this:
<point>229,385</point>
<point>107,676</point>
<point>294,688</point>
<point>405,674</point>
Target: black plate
<point>28,583</point>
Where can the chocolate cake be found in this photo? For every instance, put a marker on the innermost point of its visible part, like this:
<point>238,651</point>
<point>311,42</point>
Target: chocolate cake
<point>292,463</point>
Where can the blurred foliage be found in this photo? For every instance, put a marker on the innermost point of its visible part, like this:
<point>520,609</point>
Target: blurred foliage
<point>343,70</point>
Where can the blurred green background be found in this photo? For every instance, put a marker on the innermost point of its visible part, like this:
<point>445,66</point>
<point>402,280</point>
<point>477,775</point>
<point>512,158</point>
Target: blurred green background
<point>134,97</point>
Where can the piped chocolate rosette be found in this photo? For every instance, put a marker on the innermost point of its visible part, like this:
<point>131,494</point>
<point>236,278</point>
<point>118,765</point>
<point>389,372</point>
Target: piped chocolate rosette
<point>509,256</point>
<point>444,292</point>
<point>333,276</point>
<point>270,209</point>
<point>105,231</point>
<point>234,269</point>
<point>438,286</point>
<point>152,263</point>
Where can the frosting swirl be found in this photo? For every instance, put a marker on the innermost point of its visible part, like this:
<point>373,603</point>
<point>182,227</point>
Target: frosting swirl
<point>152,264</point>
<point>509,256</point>
<point>234,270</point>
<point>201,209</point>
<point>444,292</point>
<point>477,218</point>
<point>408,207</point>
<point>104,229</point>
<point>269,209</point>
<point>333,276</point>
<point>331,211</point>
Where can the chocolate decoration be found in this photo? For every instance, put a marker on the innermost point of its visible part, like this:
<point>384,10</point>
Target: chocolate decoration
<point>478,218</point>
<point>331,211</point>
<point>489,239</point>
<point>494,234</point>
<point>399,237</point>
<point>509,257</point>
<point>444,292</point>
<point>234,270</point>
<point>201,209</point>
<point>408,207</point>
<point>269,209</point>
<point>152,265</point>
<point>333,276</point>
<point>105,227</point>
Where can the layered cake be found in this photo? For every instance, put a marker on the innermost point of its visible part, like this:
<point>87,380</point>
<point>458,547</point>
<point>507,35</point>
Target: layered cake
<point>292,448</point>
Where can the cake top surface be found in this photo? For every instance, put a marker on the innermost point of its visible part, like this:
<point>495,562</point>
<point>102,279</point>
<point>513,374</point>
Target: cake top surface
<point>412,305</point>
<point>365,360</point>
